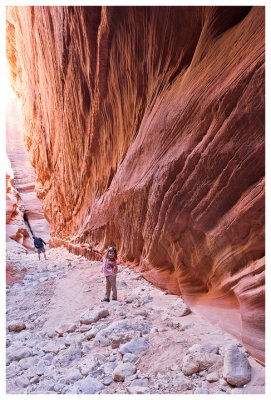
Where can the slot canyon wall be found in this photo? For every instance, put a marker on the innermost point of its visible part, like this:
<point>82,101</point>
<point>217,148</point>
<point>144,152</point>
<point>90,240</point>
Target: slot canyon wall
<point>20,183</point>
<point>145,126</point>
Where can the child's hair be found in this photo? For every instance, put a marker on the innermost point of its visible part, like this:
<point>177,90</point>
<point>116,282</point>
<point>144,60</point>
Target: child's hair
<point>112,248</point>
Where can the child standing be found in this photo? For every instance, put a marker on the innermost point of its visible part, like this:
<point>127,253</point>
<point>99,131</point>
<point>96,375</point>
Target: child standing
<point>110,270</point>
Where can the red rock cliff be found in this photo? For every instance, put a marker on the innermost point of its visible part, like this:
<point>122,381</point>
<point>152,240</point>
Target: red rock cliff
<point>145,126</point>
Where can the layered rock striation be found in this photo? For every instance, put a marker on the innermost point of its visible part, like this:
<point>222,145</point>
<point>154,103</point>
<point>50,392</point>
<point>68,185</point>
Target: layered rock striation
<point>17,233</point>
<point>145,126</point>
<point>21,199</point>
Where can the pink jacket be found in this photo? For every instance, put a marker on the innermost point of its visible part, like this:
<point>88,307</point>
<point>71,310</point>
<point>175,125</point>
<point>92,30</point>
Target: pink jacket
<point>109,267</point>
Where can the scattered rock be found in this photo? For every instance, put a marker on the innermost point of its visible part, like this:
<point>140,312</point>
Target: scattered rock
<point>181,308</point>
<point>43,279</point>
<point>129,357</point>
<point>140,382</point>
<point>222,382</point>
<point>88,366</point>
<point>175,325</point>
<point>35,379</point>
<point>48,385</point>
<point>175,367</point>
<point>237,390</point>
<point>65,328</point>
<point>70,390</point>
<point>28,362</point>
<point>107,380</point>
<point>22,381</point>
<point>17,355</point>
<point>73,376</point>
<point>40,368</point>
<point>86,347</point>
<point>98,374</point>
<point>51,347</point>
<point>131,299</point>
<point>59,387</point>
<point>121,284</point>
<point>144,299</point>
<point>183,383</point>
<point>204,348</point>
<point>104,336</point>
<point>138,390</point>
<point>90,316</point>
<point>72,353</point>
<point>213,377</point>
<point>162,330</point>
<point>236,369</point>
<point>135,346</point>
<point>30,372</point>
<point>16,326</point>
<point>202,373</point>
<point>131,377</point>
<point>12,370</point>
<point>196,362</point>
<point>23,335</point>
<point>90,386</point>
<point>91,333</point>
<point>123,337</point>
<point>74,338</point>
<point>84,328</point>
<point>122,371</point>
<point>201,390</point>
<point>109,367</point>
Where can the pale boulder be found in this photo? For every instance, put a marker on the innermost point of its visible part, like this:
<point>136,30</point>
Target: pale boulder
<point>122,371</point>
<point>16,326</point>
<point>236,369</point>
<point>90,316</point>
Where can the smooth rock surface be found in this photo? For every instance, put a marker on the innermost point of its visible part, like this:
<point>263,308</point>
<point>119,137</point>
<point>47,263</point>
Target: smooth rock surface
<point>135,346</point>
<point>16,326</point>
<point>90,316</point>
<point>122,371</point>
<point>90,386</point>
<point>236,369</point>
<point>213,377</point>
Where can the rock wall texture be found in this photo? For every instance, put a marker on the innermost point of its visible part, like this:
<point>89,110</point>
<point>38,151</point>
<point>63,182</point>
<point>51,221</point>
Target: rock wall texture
<point>21,197</point>
<point>145,126</point>
<point>17,235</point>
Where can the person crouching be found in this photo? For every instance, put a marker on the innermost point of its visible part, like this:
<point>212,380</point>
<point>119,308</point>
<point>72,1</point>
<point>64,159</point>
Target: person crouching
<point>110,270</point>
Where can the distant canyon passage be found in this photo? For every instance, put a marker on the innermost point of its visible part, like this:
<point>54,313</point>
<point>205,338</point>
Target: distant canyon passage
<point>145,126</point>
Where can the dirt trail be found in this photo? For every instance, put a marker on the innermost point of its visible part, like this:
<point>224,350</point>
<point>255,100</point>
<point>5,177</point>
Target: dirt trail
<point>96,357</point>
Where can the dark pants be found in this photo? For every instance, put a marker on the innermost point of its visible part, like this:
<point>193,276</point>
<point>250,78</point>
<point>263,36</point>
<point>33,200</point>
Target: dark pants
<point>111,284</point>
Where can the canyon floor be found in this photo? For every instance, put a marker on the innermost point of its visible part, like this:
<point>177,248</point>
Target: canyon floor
<point>62,339</point>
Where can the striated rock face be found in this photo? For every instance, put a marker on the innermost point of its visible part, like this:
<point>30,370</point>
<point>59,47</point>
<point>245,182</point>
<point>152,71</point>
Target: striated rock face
<point>145,126</point>
<point>21,197</point>
<point>17,235</point>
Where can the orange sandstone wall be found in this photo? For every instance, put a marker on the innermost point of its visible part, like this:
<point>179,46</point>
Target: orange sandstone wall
<point>145,126</point>
<point>21,181</point>
<point>17,235</point>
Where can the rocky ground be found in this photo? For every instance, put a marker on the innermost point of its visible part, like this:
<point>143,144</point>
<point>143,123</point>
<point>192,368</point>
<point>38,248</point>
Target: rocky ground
<point>62,339</point>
